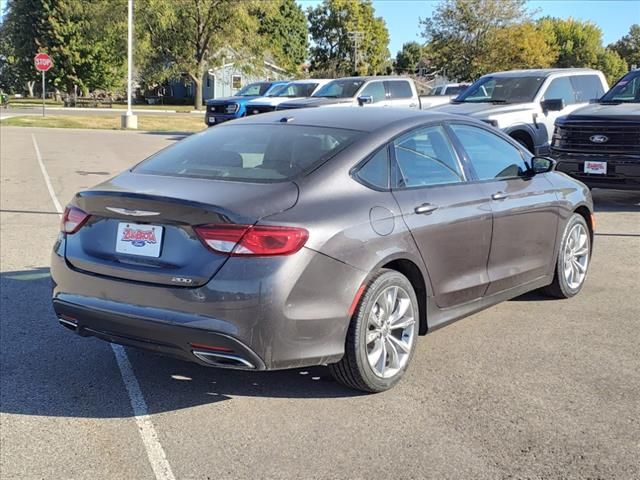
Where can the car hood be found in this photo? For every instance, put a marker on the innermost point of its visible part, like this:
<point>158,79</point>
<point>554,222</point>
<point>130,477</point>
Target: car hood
<point>482,110</point>
<point>628,112</point>
<point>272,101</point>
<point>316,102</point>
<point>227,100</point>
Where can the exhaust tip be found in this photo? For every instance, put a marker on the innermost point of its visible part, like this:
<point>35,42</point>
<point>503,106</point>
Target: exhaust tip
<point>224,360</point>
<point>68,322</point>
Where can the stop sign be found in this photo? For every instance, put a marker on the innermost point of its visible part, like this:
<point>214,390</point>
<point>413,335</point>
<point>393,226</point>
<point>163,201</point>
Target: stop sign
<point>42,62</point>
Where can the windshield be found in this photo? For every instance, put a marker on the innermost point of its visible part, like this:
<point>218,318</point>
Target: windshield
<point>254,89</point>
<point>455,90</point>
<point>251,153</point>
<point>626,90</point>
<point>502,90</point>
<point>276,90</point>
<point>344,88</point>
<point>297,90</point>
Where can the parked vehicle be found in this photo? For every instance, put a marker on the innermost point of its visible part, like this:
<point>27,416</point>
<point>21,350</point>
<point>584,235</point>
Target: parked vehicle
<point>298,90</point>
<point>443,94</point>
<point>332,236</point>
<point>526,103</point>
<point>600,144</point>
<point>223,109</point>
<point>361,91</point>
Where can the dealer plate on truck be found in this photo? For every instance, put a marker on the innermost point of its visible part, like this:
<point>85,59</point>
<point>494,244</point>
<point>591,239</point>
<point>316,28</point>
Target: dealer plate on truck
<point>136,239</point>
<point>599,168</point>
<point>212,119</point>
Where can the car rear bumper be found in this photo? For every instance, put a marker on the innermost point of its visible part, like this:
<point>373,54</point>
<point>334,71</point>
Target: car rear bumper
<point>623,172</point>
<point>272,313</point>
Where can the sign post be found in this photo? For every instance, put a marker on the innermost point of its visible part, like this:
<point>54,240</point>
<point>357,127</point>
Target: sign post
<point>42,62</point>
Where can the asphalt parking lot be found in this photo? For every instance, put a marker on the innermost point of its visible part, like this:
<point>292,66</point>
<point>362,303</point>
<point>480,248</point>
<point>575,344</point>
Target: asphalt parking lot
<point>531,388</point>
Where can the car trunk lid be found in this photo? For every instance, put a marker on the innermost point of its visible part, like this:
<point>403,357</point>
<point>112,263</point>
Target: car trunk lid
<point>141,227</point>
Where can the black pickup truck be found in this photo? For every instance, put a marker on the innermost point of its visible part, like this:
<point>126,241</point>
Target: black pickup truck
<point>599,144</point>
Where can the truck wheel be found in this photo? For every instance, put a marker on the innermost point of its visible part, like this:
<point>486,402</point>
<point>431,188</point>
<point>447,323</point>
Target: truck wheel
<point>382,335</point>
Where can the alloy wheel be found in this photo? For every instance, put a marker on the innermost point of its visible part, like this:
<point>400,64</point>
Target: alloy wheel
<point>576,256</point>
<point>390,331</point>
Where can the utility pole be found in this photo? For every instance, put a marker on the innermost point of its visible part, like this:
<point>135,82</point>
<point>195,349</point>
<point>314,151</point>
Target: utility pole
<point>355,37</point>
<point>129,120</point>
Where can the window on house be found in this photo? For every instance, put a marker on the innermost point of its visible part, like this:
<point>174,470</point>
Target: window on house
<point>236,82</point>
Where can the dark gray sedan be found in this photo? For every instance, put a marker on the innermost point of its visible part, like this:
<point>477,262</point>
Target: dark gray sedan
<point>318,236</point>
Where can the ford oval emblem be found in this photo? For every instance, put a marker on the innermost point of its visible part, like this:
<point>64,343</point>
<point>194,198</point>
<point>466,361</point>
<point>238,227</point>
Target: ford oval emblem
<point>599,138</point>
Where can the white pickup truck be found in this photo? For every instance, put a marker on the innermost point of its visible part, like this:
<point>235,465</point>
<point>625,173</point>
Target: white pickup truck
<point>526,103</point>
<point>380,91</point>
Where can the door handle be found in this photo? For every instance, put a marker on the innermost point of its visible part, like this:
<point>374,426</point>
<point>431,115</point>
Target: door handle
<point>499,196</point>
<point>425,208</point>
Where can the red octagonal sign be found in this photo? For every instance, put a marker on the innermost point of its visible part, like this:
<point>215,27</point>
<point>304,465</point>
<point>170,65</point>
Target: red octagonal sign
<point>42,62</point>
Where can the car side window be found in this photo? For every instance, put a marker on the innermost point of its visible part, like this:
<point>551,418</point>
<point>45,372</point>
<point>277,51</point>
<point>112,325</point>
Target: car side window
<point>376,171</point>
<point>426,157</point>
<point>399,89</point>
<point>561,87</point>
<point>491,156</point>
<point>375,90</point>
<point>587,87</point>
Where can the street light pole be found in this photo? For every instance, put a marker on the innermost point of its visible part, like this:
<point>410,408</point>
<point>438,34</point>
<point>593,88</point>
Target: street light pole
<point>355,37</point>
<point>129,120</point>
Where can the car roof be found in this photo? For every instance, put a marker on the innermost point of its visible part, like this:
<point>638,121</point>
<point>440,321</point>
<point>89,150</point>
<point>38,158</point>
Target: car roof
<point>365,119</point>
<point>374,77</point>
<point>311,80</point>
<point>540,72</point>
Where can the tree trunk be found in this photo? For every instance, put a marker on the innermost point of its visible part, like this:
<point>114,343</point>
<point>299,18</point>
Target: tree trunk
<point>30,86</point>
<point>197,95</point>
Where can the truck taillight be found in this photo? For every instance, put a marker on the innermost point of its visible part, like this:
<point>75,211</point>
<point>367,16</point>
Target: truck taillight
<point>73,219</point>
<point>256,240</point>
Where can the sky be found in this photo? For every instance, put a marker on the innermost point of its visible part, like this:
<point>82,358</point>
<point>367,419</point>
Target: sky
<point>614,17</point>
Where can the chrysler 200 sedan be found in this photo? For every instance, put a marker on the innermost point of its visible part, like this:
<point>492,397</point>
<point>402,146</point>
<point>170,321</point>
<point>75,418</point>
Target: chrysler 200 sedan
<point>318,237</point>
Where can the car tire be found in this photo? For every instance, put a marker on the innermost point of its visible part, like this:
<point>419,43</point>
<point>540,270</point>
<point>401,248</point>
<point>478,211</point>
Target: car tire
<point>574,256</point>
<point>371,327</point>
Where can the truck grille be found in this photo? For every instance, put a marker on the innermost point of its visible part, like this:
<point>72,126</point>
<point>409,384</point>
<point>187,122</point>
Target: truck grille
<point>620,138</point>
<point>254,110</point>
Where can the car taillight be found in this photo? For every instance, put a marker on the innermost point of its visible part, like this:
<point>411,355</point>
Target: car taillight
<point>245,240</point>
<point>72,219</point>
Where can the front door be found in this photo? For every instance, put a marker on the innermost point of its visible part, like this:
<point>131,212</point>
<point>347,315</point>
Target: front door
<point>525,218</point>
<point>450,219</point>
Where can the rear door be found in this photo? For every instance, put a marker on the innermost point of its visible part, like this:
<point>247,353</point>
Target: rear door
<point>525,215</point>
<point>450,218</point>
<point>401,94</point>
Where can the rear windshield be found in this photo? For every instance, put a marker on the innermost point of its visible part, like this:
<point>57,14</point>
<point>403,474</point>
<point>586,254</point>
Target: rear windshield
<point>252,153</point>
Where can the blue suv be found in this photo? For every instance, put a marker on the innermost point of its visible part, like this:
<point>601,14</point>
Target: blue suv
<point>222,109</point>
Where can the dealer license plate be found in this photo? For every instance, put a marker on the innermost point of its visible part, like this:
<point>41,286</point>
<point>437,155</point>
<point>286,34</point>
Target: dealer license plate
<point>599,168</point>
<point>136,239</point>
<point>212,119</point>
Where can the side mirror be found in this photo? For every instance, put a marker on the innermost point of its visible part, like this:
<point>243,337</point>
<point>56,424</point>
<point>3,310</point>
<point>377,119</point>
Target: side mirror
<point>552,105</point>
<point>542,165</point>
<point>365,100</point>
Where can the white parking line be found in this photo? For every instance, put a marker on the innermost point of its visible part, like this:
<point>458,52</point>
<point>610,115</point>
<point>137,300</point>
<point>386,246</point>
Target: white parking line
<point>155,452</point>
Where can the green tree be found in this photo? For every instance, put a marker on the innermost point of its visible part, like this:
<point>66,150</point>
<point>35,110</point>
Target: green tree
<point>407,59</point>
<point>628,47</point>
<point>460,34</point>
<point>578,43</point>
<point>612,65</point>
<point>177,37</point>
<point>85,40</point>
<point>332,25</point>
<point>517,47</point>
<point>285,28</point>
